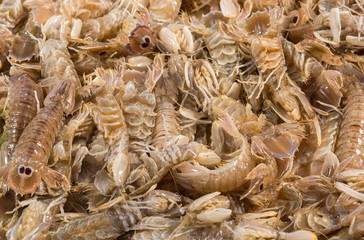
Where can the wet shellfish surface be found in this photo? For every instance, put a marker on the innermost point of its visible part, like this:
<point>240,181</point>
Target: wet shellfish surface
<point>181,119</point>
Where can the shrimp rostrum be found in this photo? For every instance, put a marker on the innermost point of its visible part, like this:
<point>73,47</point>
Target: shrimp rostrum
<point>28,164</point>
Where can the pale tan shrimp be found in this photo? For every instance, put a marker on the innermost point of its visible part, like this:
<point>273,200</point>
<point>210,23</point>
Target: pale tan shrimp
<point>108,224</point>
<point>350,139</point>
<point>137,36</point>
<point>105,27</point>
<point>222,48</point>
<point>24,99</point>
<point>155,227</point>
<point>177,38</point>
<point>11,12</point>
<point>63,148</point>
<point>58,27</point>
<point>229,176</point>
<point>36,219</point>
<point>174,154</point>
<point>110,121</point>
<point>255,230</point>
<point>166,124</point>
<point>321,86</point>
<point>85,10</point>
<point>212,208</point>
<point>56,61</point>
<point>317,219</point>
<point>31,154</point>
<point>139,100</point>
<point>317,159</point>
<point>163,11</point>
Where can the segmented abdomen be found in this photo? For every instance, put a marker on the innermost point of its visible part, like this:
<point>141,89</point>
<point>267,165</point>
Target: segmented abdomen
<point>139,112</point>
<point>106,225</point>
<point>268,55</point>
<point>36,142</point>
<point>56,61</point>
<point>221,48</point>
<point>108,117</point>
<point>309,66</point>
<point>167,123</point>
<point>350,139</point>
<point>23,95</point>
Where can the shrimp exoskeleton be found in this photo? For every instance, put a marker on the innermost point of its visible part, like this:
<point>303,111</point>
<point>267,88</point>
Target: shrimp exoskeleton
<point>25,96</point>
<point>350,138</point>
<point>28,165</point>
<point>229,176</point>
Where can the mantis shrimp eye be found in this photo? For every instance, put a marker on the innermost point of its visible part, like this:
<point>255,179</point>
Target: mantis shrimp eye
<point>27,170</point>
<point>147,42</point>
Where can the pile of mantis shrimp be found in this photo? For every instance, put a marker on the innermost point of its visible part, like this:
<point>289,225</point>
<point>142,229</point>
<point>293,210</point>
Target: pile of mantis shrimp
<point>181,119</point>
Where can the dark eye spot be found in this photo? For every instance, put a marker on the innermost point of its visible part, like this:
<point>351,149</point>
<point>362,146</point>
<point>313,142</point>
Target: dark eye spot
<point>28,171</point>
<point>261,187</point>
<point>21,169</point>
<point>146,43</point>
<point>295,20</point>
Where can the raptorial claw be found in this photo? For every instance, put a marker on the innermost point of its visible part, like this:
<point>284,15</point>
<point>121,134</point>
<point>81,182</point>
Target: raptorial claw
<point>259,178</point>
<point>53,179</point>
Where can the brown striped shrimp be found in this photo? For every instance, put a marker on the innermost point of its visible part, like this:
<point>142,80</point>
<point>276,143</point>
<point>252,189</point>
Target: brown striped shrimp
<point>181,72</point>
<point>230,175</point>
<point>28,166</point>
<point>24,100</point>
<point>350,138</point>
<point>119,216</point>
<point>246,121</point>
